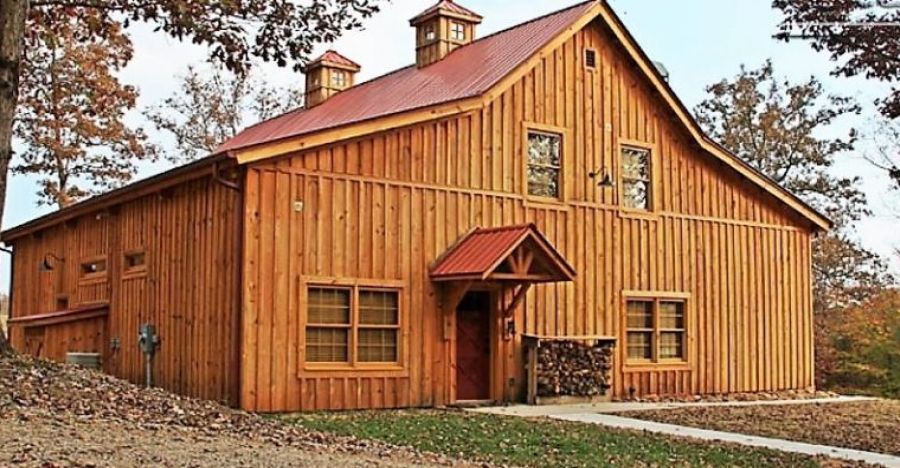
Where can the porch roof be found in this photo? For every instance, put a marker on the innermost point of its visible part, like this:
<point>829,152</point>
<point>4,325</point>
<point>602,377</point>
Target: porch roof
<point>511,253</point>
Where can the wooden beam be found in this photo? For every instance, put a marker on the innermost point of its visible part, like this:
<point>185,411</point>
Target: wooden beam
<point>518,298</point>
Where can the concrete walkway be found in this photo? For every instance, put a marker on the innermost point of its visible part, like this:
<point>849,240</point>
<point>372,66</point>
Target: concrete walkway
<point>622,407</point>
<point>753,441</point>
<point>599,413</point>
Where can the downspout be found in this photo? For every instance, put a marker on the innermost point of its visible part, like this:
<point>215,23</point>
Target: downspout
<point>12,274</point>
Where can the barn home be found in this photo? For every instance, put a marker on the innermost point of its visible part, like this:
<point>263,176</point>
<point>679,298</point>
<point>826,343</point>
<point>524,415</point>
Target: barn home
<point>462,229</point>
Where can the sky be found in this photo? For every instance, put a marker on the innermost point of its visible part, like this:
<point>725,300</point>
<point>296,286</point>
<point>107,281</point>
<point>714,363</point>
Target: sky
<point>699,41</point>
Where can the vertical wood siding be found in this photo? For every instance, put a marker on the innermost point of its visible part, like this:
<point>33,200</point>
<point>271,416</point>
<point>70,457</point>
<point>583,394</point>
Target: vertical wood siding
<point>384,207</point>
<point>190,236</point>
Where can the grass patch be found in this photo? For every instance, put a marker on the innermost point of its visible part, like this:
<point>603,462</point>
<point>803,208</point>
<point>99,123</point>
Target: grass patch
<point>539,442</point>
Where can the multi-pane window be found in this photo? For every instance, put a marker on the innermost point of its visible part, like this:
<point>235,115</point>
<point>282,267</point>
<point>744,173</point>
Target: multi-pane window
<point>655,330</point>
<point>636,178</point>
<point>544,164</point>
<point>458,32</point>
<point>352,325</point>
<point>339,79</point>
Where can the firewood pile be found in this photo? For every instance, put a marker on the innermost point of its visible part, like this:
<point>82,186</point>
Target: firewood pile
<point>570,368</point>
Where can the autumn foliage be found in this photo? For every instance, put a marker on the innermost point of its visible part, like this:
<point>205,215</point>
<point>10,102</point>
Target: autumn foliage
<point>865,339</point>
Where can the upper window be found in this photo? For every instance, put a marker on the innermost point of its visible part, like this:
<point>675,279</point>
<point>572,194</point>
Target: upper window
<point>544,164</point>
<point>655,330</point>
<point>430,33</point>
<point>339,79</point>
<point>590,58</point>
<point>352,326</point>
<point>135,262</point>
<point>93,268</point>
<point>636,178</point>
<point>458,32</point>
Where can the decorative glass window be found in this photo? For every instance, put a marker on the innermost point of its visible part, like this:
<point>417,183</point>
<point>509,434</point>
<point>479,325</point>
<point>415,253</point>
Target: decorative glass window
<point>544,164</point>
<point>339,79</point>
<point>352,326</point>
<point>458,32</point>
<point>655,330</point>
<point>636,178</point>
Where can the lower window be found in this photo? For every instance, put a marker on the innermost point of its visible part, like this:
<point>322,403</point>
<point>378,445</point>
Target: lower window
<point>655,331</point>
<point>352,325</point>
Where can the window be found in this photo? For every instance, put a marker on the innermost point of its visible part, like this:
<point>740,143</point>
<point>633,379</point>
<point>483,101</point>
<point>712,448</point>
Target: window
<point>339,79</point>
<point>655,330</point>
<point>636,178</point>
<point>590,58</point>
<point>458,32</point>
<point>135,262</point>
<point>430,33</point>
<point>544,164</point>
<point>352,326</point>
<point>93,268</point>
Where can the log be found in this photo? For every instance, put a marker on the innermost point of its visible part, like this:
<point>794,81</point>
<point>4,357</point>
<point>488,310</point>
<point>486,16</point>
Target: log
<point>570,368</point>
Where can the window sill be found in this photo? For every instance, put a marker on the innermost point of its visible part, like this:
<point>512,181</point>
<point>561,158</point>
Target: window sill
<point>373,371</point>
<point>545,202</point>
<point>630,213</point>
<point>632,367</point>
<point>92,280</point>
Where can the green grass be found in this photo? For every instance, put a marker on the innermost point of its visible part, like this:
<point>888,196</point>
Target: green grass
<point>538,442</point>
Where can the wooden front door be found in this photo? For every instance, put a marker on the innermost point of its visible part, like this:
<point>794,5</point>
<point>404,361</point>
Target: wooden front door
<point>473,347</point>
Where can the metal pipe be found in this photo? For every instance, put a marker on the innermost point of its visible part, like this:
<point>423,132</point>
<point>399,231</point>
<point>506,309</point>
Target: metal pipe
<point>12,274</point>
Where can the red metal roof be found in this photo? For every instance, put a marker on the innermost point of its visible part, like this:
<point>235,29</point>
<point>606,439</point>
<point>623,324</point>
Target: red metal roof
<point>448,6</point>
<point>469,71</point>
<point>479,252</point>
<point>332,56</point>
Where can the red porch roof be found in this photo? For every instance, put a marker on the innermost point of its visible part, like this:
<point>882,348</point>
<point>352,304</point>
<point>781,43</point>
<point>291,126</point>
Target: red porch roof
<point>481,254</point>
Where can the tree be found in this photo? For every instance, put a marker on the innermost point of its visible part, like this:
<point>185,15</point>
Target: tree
<point>72,108</point>
<point>886,155</point>
<point>206,111</point>
<point>866,340</point>
<point>280,31</point>
<point>776,126</point>
<point>862,36</point>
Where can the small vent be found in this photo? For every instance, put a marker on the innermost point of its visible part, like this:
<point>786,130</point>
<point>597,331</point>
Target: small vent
<point>590,59</point>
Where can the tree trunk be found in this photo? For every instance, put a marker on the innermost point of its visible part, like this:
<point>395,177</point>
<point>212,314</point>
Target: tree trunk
<point>12,27</point>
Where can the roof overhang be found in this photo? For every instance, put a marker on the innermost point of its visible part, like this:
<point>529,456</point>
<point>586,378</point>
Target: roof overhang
<point>509,254</point>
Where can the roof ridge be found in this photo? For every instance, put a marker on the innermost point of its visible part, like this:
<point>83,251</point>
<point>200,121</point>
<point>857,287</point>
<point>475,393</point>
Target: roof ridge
<point>398,70</point>
<point>526,23</point>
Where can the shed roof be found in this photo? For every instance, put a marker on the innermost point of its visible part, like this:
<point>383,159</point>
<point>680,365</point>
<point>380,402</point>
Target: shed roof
<point>481,252</point>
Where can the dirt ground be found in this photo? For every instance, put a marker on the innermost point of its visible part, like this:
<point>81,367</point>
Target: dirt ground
<point>871,426</point>
<point>54,416</point>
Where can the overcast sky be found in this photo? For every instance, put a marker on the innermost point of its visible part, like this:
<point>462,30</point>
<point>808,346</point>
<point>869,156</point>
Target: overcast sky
<point>699,41</point>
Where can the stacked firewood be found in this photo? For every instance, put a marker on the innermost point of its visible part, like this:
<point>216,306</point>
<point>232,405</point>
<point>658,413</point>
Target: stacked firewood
<point>569,368</point>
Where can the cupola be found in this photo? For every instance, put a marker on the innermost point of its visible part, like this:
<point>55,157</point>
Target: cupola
<point>328,75</point>
<point>442,29</point>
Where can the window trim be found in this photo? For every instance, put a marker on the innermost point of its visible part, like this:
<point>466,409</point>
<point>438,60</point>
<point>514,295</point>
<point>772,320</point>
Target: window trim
<point>354,366</point>
<point>640,365</point>
<point>334,80</point>
<point>564,150</point>
<point>130,272</point>
<point>620,179</point>
<point>588,50</point>
<point>87,278</point>
<point>453,31</point>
